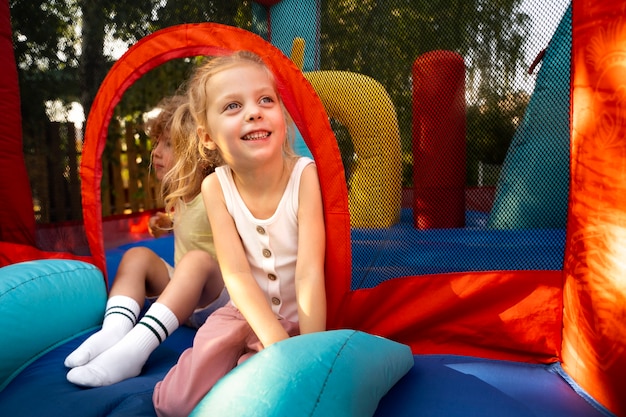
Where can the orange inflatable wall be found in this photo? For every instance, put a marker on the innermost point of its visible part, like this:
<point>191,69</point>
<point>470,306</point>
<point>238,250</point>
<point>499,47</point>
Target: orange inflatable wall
<point>594,294</point>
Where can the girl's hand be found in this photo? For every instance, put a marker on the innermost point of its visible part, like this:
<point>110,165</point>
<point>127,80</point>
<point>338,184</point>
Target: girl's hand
<point>160,224</point>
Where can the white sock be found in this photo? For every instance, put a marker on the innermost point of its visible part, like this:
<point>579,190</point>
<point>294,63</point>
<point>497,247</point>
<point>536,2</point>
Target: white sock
<point>119,317</point>
<point>126,358</point>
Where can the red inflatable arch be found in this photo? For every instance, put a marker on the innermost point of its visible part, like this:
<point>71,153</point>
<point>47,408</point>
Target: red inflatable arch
<point>215,39</point>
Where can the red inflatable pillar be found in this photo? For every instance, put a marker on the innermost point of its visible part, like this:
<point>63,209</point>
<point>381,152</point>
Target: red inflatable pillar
<point>439,140</point>
<point>17,219</point>
<point>594,293</point>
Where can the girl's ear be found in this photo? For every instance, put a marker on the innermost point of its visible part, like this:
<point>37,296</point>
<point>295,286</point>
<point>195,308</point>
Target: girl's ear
<point>205,139</point>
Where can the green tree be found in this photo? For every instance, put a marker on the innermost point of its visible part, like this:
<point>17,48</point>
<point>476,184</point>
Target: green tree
<point>127,22</point>
<point>490,127</point>
<point>382,39</point>
<point>65,58</point>
<point>46,56</point>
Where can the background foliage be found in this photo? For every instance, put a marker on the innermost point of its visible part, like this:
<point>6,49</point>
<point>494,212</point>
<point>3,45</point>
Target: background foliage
<point>65,58</point>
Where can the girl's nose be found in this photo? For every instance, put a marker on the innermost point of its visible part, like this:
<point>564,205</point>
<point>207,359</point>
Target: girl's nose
<point>254,114</point>
<point>156,149</point>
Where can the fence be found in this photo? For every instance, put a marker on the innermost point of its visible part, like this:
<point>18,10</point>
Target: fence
<point>128,185</point>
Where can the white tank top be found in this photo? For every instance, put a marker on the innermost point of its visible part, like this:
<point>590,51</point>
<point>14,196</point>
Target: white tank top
<point>271,245</point>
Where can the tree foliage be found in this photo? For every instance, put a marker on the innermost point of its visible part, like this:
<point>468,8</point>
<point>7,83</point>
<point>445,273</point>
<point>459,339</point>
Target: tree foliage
<point>65,59</point>
<point>127,22</point>
<point>383,38</point>
<point>46,55</point>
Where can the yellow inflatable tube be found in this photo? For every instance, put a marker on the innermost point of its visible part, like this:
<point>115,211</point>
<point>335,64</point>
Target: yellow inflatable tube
<point>363,106</point>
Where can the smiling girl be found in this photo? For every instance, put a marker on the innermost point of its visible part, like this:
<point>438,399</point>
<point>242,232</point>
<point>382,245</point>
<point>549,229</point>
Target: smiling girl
<point>265,207</point>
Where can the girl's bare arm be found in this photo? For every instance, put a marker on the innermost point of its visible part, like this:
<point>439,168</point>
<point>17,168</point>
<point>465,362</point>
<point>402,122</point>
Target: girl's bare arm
<point>310,287</point>
<point>242,287</point>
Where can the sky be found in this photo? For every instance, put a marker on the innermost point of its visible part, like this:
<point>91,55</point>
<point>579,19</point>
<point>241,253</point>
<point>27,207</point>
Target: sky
<point>545,16</point>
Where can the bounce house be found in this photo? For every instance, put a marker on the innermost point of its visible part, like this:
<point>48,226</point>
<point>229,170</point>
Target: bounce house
<point>405,337</point>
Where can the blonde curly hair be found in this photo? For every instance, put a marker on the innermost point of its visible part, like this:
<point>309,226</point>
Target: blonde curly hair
<point>182,183</point>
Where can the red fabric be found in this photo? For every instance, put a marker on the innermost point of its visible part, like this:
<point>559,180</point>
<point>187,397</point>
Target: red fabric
<point>439,140</point>
<point>594,334</point>
<point>12,253</point>
<point>17,222</point>
<point>509,315</point>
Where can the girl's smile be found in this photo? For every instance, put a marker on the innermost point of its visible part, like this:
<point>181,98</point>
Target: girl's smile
<point>256,135</point>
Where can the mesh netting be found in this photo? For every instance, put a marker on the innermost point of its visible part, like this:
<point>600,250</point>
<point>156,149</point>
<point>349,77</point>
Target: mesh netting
<point>449,167</point>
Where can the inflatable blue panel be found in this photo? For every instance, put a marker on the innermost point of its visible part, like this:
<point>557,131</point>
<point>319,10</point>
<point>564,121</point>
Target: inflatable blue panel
<point>533,187</point>
<point>45,303</point>
<point>461,386</point>
<point>339,373</point>
<point>41,389</point>
<point>435,385</point>
<point>292,19</point>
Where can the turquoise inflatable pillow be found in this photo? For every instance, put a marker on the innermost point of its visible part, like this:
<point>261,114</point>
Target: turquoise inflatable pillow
<point>43,304</point>
<point>335,373</point>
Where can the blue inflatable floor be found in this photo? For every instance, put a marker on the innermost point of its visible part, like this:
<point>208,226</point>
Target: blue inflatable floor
<point>42,390</point>
<point>402,250</point>
<point>437,385</point>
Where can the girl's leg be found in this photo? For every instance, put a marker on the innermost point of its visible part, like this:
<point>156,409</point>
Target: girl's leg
<point>140,272</point>
<point>196,282</point>
<point>194,272</point>
<point>126,358</point>
<point>120,316</point>
<point>217,347</point>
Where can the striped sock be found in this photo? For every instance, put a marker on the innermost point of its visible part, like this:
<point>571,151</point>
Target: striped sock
<point>120,317</point>
<point>126,358</point>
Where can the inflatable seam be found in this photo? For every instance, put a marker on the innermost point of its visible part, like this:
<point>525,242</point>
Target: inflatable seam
<point>47,275</point>
<point>324,385</point>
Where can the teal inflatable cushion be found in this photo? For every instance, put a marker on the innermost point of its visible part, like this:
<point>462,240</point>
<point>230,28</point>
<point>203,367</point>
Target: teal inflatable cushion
<point>334,373</point>
<point>43,304</point>
<point>533,187</point>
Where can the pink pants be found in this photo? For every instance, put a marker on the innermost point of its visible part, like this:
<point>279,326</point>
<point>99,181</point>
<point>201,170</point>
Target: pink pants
<point>224,341</point>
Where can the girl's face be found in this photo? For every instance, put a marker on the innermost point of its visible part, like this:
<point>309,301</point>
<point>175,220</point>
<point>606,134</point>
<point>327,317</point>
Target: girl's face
<point>163,156</point>
<point>245,119</point>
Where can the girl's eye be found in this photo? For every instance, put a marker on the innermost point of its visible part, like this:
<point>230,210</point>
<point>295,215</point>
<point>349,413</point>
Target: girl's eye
<point>267,99</point>
<point>231,106</point>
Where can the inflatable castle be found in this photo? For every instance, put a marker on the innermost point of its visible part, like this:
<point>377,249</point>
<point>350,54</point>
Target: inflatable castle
<point>532,341</point>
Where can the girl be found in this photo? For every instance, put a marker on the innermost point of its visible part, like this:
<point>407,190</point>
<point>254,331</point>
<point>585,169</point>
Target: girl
<point>121,348</point>
<point>265,208</point>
